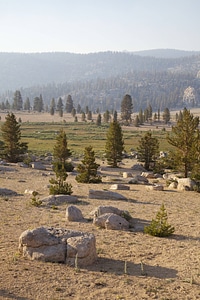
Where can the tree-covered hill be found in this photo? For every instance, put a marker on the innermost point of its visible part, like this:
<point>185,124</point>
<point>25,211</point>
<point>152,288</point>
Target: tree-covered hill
<point>100,80</point>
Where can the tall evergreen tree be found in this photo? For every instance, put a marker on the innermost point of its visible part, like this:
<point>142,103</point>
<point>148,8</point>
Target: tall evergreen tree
<point>17,101</point>
<point>69,104</point>
<point>166,115</point>
<point>185,137</point>
<point>61,153</point>
<point>88,168</point>
<point>98,121</point>
<point>52,107</point>
<point>11,133</point>
<point>59,107</point>
<point>27,105</point>
<point>106,116</point>
<point>114,144</point>
<point>38,104</point>
<point>148,149</point>
<point>126,108</point>
<point>115,116</point>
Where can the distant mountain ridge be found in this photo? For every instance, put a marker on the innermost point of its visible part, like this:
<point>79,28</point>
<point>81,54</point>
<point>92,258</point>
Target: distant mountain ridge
<point>152,76</point>
<point>166,53</point>
<point>19,70</point>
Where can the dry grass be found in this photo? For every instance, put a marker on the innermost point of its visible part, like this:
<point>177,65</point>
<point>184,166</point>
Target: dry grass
<point>130,265</point>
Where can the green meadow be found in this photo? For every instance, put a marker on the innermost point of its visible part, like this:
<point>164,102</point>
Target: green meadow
<point>41,136</point>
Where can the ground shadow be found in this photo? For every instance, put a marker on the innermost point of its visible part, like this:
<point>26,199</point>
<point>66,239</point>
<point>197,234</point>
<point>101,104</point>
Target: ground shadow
<point>180,237</point>
<point>10,295</point>
<point>139,224</point>
<point>118,267</point>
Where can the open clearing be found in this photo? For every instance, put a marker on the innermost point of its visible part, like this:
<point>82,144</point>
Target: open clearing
<point>171,265</point>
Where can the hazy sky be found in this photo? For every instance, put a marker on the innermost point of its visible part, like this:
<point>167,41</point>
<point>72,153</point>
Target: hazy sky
<point>85,26</point>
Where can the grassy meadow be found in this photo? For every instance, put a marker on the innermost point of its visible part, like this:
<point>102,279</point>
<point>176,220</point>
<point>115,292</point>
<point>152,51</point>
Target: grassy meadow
<point>39,130</point>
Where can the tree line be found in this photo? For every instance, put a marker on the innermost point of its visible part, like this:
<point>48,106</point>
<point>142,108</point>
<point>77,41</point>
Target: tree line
<point>184,137</point>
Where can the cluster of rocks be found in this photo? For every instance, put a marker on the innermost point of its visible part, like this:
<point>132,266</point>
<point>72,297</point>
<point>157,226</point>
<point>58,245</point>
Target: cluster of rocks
<point>60,245</point>
<point>112,218</point>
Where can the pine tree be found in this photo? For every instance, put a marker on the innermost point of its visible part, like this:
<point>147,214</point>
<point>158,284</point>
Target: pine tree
<point>185,138</point>
<point>159,226</point>
<point>166,115</point>
<point>27,105</point>
<point>52,107</point>
<point>148,149</point>
<point>115,116</point>
<point>88,168</point>
<point>61,153</point>
<point>38,104</point>
<point>126,108</point>
<point>136,121</point>
<point>106,116</point>
<point>60,107</point>
<point>98,121</point>
<point>11,133</point>
<point>114,144</point>
<point>17,101</point>
<point>69,104</point>
<point>73,112</point>
<point>83,117</point>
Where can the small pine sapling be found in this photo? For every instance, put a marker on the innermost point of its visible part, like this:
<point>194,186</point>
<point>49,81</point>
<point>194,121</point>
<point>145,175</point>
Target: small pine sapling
<point>159,226</point>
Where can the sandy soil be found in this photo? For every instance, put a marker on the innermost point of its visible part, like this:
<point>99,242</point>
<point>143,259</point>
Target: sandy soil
<point>171,265</point>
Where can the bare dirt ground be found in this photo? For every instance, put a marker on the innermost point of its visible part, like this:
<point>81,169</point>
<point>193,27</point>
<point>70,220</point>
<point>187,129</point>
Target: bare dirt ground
<point>171,265</point>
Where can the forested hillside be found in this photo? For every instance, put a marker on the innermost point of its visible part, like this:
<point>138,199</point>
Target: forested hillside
<point>100,80</point>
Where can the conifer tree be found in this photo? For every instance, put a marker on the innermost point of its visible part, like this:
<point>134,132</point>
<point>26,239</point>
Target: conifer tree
<point>114,144</point>
<point>185,138</point>
<point>11,133</point>
<point>88,168</point>
<point>69,104</point>
<point>98,121</point>
<point>61,154</point>
<point>148,149</point>
<point>160,226</point>
<point>17,101</point>
<point>126,108</point>
<point>166,115</point>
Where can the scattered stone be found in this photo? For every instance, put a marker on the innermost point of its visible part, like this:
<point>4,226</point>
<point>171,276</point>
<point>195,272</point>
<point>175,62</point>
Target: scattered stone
<point>185,184</point>
<point>118,186</point>
<point>59,199</point>
<point>138,167</point>
<point>101,220</point>
<point>106,209</point>
<point>105,195</point>
<point>115,222</point>
<point>38,166</point>
<point>58,245</point>
<point>138,179</point>
<point>29,192</point>
<point>74,214</point>
<point>173,185</point>
<point>148,175</point>
<point>155,187</point>
<point>127,174</point>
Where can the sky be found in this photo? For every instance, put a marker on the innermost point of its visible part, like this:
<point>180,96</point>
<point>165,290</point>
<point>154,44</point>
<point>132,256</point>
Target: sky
<point>87,26</point>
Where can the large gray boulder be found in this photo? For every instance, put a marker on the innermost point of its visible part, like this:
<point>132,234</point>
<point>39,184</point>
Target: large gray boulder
<point>100,210</point>
<point>185,184</point>
<point>118,186</point>
<point>100,221</point>
<point>74,214</point>
<point>59,199</point>
<point>105,195</point>
<point>58,245</point>
<point>115,222</point>
<point>81,250</point>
